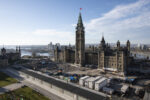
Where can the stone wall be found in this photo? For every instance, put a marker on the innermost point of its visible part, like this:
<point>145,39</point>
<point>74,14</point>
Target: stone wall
<point>49,87</point>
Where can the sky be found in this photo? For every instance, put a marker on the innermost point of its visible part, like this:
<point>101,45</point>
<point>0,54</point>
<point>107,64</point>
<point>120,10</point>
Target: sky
<point>39,22</point>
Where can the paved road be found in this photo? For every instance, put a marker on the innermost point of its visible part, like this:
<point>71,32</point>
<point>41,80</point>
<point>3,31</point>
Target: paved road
<point>33,86</point>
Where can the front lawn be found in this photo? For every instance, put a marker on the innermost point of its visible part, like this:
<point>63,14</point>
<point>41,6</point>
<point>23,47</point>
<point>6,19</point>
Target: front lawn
<point>24,93</point>
<point>6,80</point>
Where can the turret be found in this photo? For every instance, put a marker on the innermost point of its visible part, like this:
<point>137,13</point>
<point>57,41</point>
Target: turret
<point>102,44</point>
<point>128,48</point>
<point>56,54</point>
<point>128,45</point>
<point>93,48</point>
<point>19,50</point>
<point>16,49</point>
<point>3,51</point>
<point>69,46</point>
<point>118,45</point>
<point>107,45</point>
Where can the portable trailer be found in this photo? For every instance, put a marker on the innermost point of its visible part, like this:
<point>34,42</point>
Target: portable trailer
<point>87,81</point>
<point>82,80</point>
<point>92,81</point>
<point>100,83</point>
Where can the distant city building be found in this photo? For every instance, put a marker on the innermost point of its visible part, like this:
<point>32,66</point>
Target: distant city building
<point>144,47</point>
<point>139,45</point>
<point>50,46</point>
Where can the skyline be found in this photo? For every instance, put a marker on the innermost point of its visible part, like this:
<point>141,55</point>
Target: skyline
<point>38,22</point>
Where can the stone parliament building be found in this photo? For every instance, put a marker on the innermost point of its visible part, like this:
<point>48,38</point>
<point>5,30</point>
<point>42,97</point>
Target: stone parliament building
<point>106,58</point>
<point>7,58</point>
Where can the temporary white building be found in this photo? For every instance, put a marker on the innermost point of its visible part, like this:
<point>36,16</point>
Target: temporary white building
<point>100,83</point>
<point>92,81</point>
<point>82,80</point>
<point>87,81</point>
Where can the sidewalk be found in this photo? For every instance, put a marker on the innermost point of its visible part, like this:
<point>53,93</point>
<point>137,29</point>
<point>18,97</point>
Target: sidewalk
<point>39,89</point>
<point>10,87</point>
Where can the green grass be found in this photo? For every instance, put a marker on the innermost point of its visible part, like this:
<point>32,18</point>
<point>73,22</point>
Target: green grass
<point>25,92</point>
<point>6,80</point>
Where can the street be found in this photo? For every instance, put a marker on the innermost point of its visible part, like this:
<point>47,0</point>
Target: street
<point>44,92</point>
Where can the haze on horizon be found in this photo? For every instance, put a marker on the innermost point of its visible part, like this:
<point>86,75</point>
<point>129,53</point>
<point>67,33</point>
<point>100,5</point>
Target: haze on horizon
<point>38,22</point>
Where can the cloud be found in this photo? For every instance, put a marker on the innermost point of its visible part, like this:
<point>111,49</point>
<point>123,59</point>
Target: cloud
<point>50,32</point>
<point>39,36</point>
<point>64,37</point>
<point>131,21</point>
<point>123,22</point>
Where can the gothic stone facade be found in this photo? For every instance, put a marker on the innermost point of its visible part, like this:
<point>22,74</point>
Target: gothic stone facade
<point>113,59</point>
<point>5,58</point>
<point>66,55</point>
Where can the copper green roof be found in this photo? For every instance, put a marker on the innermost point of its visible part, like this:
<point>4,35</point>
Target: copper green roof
<point>80,20</point>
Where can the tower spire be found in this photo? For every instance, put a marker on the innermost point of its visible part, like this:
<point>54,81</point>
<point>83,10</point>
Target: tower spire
<point>103,37</point>
<point>80,23</point>
<point>102,44</point>
<point>19,49</point>
<point>16,49</point>
<point>103,40</point>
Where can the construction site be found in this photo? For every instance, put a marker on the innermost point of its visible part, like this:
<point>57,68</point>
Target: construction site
<point>129,87</point>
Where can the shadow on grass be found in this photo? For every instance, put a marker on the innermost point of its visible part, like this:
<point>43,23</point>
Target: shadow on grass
<point>23,93</point>
<point>6,80</point>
